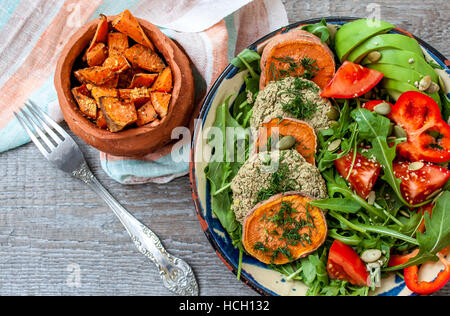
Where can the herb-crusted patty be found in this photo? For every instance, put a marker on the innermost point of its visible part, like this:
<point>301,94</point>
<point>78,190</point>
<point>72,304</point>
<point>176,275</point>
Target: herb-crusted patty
<point>255,183</point>
<point>293,98</point>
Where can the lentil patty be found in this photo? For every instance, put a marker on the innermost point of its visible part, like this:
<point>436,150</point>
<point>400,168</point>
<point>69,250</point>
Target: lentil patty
<point>254,177</point>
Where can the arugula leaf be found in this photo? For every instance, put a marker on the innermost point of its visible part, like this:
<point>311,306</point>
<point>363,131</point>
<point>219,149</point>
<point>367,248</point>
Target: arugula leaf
<point>337,204</point>
<point>375,128</point>
<point>319,29</point>
<point>248,59</point>
<point>436,236</point>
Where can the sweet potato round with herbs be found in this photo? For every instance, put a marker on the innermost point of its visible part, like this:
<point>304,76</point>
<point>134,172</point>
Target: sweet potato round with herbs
<point>284,228</point>
<point>297,53</point>
<point>306,140</point>
<point>111,132</point>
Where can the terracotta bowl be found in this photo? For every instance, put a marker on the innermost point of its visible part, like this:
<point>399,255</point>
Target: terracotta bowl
<point>136,141</point>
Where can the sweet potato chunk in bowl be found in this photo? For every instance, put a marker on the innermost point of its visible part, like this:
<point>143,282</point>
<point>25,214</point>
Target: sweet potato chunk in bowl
<point>134,139</point>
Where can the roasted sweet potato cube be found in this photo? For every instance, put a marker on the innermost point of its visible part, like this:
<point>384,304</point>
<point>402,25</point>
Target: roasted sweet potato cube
<point>101,121</point>
<point>146,114</point>
<point>95,75</point>
<point>101,32</point>
<point>164,81</point>
<point>118,114</point>
<point>111,83</point>
<point>139,96</point>
<point>117,63</point>
<point>86,104</point>
<point>160,101</point>
<point>145,58</point>
<point>142,80</point>
<point>98,92</point>
<point>97,55</point>
<point>117,44</point>
<point>127,24</point>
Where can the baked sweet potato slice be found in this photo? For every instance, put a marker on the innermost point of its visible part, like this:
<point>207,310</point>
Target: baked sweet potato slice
<point>117,63</point>
<point>117,43</point>
<point>138,96</point>
<point>87,105</point>
<point>127,24</point>
<point>164,81</point>
<point>118,114</point>
<point>306,140</point>
<point>101,121</point>
<point>284,228</point>
<point>297,53</point>
<point>97,55</point>
<point>101,32</point>
<point>95,75</point>
<point>146,114</point>
<point>161,101</point>
<point>145,58</point>
<point>98,92</point>
<point>143,80</point>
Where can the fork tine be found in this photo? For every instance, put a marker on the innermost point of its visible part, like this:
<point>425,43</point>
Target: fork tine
<point>50,121</point>
<point>31,134</point>
<point>53,135</point>
<point>38,129</point>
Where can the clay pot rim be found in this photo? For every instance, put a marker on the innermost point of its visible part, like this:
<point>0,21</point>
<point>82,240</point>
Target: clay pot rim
<point>90,127</point>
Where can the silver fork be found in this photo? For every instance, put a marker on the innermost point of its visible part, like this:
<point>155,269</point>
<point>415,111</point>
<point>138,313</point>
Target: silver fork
<point>62,151</point>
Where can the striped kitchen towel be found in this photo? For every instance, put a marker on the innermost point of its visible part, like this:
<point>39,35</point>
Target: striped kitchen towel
<point>34,32</point>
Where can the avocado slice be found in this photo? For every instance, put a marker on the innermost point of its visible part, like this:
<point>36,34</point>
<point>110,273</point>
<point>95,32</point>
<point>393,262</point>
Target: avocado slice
<point>398,73</point>
<point>351,34</point>
<point>383,41</point>
<point>391,84</point>
<point>407,60</point>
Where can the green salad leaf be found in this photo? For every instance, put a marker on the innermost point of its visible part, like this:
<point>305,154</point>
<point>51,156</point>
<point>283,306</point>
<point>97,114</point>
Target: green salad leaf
<point>319,29</point>
<point>436,236</point>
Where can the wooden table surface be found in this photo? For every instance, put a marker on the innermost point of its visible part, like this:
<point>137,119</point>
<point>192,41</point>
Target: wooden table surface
<point>52,225</point>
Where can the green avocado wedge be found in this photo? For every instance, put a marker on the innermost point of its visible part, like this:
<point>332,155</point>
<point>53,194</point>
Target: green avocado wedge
<point>398,73</point>
<point>383,41</point>
<point>399,86</point>
<point>351,34</point>
<point>405,59</point>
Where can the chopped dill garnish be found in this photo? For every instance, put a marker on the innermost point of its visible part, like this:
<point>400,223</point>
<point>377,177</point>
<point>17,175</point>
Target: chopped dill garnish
<point>279,183</point>
<point>309,66</point>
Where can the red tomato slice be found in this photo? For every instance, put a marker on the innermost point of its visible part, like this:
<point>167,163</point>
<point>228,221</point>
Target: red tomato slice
<point>364,174</point>
<point>351,81</point>
<point>428,134</point>
<point>417,185</point>
<point>345,264</point>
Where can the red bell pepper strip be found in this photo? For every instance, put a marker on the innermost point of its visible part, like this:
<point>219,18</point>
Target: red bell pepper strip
<point>428,134</point>
<point>411,274</point>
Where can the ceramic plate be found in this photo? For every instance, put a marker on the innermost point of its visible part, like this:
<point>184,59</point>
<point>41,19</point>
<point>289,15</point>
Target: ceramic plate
<point>254,273</point>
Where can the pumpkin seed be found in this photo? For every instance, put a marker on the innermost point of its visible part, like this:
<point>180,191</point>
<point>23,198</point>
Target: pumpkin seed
<point>383,108</point>
<point>334,145</point>
<point>425,83</point>
<point>371,198</point>
<point>399,132</point>
<point>404,213</point>
<point>333,114</point>
<point>433,88</point>
<point>374,56</point>
<point>435,193</point>
<point>417,165</point>
<point>286,142</point>
<point>332,28</point>
<point>371,255</point>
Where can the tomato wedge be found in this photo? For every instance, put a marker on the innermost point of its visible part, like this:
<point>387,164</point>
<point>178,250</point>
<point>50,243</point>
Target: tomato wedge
<point>417,185</point>
<point>428,134</point>
<point>351,81</point>
<point>363,175</point>
<point>345,264</point>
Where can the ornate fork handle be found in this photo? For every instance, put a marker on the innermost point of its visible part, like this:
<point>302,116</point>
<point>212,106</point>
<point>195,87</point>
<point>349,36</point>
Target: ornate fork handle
<point>175,273</point>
